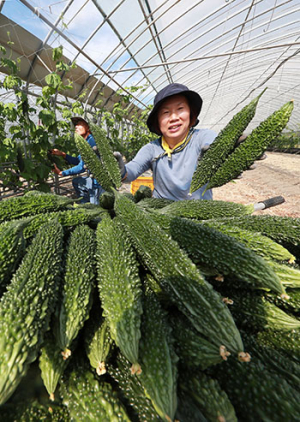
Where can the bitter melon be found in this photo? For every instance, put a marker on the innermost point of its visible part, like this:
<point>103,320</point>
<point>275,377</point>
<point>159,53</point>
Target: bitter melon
<point>106,200</point>
<point>257,393</point>
<point>284,230</point>
<point>288,275</point>
<point>291,306</point>
<point>223,145</point>
<point>89,399</point>
<point>193,349</point>
<point>142,193</point>
<point>12,250</point>
<point>26,306</point>
<point>178,276</point>
<point>31,410</point>
<point>260,244</point>
<point>187,409</point>
<point>206,209</point>
<point>274,360</point>
<point>22,206</point>
<point>158,359</point>
<point>285,342</point>
<point>133,390</point>
<point>106,154</point>
<point>154,203</point>
<point>67,218</point>
<point>253,147</point>
<point>93,163</point>
<point>211,399</point>
<point>78,284</point>
<point>205,245</point>
<point>120,289</point>
<point>51,364</point>
<point>97,339</point>
<point>254,312</point>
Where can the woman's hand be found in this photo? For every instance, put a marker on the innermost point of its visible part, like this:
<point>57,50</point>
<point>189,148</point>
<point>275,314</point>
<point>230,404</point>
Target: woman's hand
<point>58,152</point>
<point>56,170</point>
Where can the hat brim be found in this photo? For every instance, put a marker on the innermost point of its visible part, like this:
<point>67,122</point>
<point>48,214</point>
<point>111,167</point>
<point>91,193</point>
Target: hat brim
<point>193,98</point>
<point>76,120</point>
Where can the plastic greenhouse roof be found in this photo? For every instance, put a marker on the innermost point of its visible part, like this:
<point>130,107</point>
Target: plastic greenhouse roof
<point>226,50</point>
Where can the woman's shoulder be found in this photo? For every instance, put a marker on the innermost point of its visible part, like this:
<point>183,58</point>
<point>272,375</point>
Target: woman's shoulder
<point>204,136</point>
<point>153,145</point>
<point>205,132</point>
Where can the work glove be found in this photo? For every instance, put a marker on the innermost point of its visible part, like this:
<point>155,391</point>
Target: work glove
<point>203,151</point>
<point>119,158</point>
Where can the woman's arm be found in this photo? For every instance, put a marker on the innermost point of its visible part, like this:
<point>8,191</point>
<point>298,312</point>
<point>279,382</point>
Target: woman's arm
<point>140,163</point>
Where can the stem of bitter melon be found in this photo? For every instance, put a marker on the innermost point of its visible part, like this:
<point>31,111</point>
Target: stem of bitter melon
<point>66,353</point>
<point>244,357</point>
<point>101,368</point>
<point>224,353</point>
<point>136,369</point>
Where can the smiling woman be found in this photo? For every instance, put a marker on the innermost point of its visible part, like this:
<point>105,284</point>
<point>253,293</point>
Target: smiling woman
<point>174,120</point>
<point>173,156</point>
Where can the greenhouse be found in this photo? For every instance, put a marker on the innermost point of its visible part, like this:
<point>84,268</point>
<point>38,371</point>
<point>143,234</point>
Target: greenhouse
<point>150,210</point>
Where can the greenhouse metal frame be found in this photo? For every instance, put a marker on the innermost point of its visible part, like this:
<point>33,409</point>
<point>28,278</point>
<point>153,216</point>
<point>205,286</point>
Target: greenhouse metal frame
<point>228,51</point>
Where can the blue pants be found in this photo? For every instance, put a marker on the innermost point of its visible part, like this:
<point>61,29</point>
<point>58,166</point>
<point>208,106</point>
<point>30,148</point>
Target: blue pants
<point>87,189</point>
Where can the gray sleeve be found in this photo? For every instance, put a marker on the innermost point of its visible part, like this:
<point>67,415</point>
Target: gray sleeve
<point>140,163</point>
<point>208,136</point>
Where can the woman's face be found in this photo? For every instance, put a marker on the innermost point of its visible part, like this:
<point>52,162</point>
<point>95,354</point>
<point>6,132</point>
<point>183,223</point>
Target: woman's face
<point>82,129</point>
<point>174,119</point>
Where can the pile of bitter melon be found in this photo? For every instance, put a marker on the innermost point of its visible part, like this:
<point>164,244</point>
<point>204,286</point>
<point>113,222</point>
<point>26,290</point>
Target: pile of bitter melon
<point>143,309</point>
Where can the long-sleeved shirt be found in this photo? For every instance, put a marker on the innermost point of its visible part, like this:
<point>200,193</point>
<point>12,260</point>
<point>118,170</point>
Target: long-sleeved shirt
<point>79,166</point>
<point>172,178</point>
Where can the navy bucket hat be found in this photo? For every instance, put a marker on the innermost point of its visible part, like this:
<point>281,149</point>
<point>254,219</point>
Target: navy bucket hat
<point>194,99</point>
<point>75,120</point>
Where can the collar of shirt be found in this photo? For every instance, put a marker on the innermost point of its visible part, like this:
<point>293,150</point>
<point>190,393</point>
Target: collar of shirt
<point>179,147</point>
<point>169,150</point>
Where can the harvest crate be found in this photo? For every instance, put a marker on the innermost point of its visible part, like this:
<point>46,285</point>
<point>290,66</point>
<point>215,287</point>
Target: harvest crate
<point>145,181</point>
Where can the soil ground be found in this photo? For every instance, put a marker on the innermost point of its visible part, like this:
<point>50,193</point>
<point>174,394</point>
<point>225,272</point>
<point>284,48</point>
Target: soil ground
<point>277,175</point>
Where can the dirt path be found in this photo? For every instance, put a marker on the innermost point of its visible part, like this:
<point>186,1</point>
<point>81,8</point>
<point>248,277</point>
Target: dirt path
<point>277,175</point>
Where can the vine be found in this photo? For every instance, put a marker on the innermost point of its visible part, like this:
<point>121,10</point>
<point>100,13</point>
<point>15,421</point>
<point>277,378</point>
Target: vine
<point>29,131</point>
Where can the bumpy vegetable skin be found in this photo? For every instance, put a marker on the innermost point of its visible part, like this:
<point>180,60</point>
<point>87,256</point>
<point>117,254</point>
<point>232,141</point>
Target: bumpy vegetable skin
<point>78,284</point>
<point>119,288</point>
<point>106,154</point>
<point>205,209</point>
<point>223,145</point>
<point>253,147</point>
<point>26,306</point>
<point>178,276</point>
<point>158,359</point>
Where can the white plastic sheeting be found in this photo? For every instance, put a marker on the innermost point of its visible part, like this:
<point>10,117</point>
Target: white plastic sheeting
<point>226,50</point>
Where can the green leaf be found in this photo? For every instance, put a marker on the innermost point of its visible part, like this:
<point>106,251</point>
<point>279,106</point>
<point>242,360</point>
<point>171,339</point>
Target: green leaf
<point>57,53</point>
<point>61,66</point>
<point>66,113</point>
<point>11,82</point>
<point>47,117</point>
<point>9,63</point>
<point>53,80</point>
<point>78,110</point>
